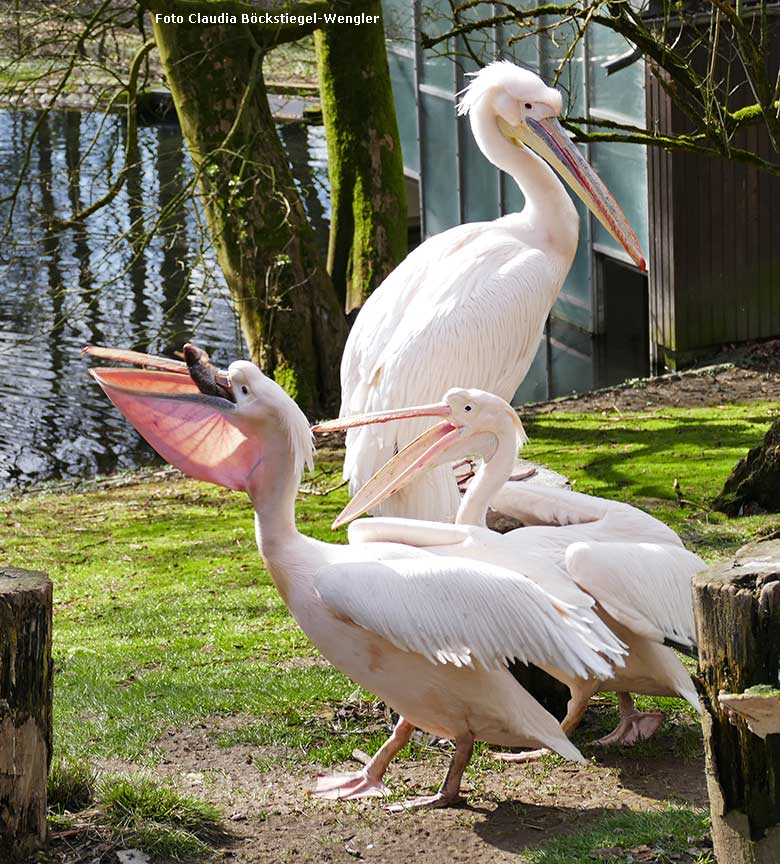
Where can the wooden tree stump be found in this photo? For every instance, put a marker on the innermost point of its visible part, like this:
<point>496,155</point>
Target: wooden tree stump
<point>738,620</point>
<point>25,710</point>
<point>755,480</point>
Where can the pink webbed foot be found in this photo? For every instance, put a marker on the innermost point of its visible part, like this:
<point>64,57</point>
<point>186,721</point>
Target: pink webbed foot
<point>633,728</point>
<point>524,756</point>
<point>440,799</point>
<point>357,784</point>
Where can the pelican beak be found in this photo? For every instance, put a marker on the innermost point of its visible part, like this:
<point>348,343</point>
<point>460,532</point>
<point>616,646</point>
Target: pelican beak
<point>436,409</point>
<point>436,446</point>
<point>425,452</point>
<point>549,140</point>
<point>209,379</point>
<point>183,417</point>
<point>396,473</point>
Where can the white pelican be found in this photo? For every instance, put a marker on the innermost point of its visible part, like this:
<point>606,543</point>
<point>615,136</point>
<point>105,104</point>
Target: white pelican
<point>429,635</point>
<point>468,307</point>
<point>608,553</point>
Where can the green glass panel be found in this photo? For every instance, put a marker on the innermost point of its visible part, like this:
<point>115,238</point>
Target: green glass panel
<point>534,386</point>
<point>439,179</point>
<point>438,67</point>
<point>623,167</point>
<point>622,92</point>
<point>479,179</point>
<point>574,304</point>
<point>398,17</point>
<point>571,359</point>
<point>402,79</point>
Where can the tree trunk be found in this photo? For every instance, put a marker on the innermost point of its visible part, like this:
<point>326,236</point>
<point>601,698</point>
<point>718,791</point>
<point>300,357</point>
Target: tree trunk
<point>289,312</point>
<point>25,710</point>
<point>755,480</point>
<point>738,620</point>
<point>368,231</point>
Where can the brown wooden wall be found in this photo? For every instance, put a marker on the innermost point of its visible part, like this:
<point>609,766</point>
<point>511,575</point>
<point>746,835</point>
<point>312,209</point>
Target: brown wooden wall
<point>714,243</point>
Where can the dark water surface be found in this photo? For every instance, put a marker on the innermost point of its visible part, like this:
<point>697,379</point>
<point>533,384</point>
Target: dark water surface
<point>61,288</point>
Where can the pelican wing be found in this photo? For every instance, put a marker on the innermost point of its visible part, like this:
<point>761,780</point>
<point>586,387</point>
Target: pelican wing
<point>644,586</point>
<point>453,610</point>
<point>473,317</point>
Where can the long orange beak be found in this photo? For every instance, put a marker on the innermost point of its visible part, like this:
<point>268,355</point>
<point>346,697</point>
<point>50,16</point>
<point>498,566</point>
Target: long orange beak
<point>549,139</point>
<point>436,446</point>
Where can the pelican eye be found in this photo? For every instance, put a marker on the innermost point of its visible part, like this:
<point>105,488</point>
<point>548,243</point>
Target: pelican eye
<point>528,106</point>
<point>467,408</point>
<point>244,389</point>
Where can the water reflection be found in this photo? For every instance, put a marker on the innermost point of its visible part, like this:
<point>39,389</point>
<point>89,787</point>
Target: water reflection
<point>61,288</point>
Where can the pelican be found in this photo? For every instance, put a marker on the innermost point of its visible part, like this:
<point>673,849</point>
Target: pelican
<point>468,306</point>
<point>429,635</point>
<point>608,557</point>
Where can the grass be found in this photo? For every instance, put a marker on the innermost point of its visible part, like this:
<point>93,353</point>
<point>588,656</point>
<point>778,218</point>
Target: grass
<point>131,811</point>
<point>639,457</point>
<point>159,819</point>
<point>666,834</point>
<point>165,615</point>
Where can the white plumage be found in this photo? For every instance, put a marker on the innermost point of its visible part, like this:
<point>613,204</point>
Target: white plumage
<point>410,627</point>
<point>467,308</point>
<point>451,611</point>
<point>626,573</point>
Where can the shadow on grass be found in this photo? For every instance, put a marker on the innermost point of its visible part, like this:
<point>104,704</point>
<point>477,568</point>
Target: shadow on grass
<point>617,448</point>
<point>566,835</point>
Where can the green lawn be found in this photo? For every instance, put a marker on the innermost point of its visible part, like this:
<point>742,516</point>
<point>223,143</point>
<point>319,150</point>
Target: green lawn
<point>164,613</point>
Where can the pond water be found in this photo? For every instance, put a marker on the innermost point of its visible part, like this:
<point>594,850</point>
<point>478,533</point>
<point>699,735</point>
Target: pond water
<point>61,288</point>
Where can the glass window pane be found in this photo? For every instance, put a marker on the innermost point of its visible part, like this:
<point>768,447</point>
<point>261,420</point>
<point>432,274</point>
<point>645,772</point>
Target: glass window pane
<point>438,68</point>
<point>623,167</point>
<point>398,18</point>
<point>479,179</point>
<point>534,386</point>
<point>571,359</point>
<point>622,92</point>
<point>439,179</point>
<point>574,303</point>
<point>402,79</point>
<point>553,49</point>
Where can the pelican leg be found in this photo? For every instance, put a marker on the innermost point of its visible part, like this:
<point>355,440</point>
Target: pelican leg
<point>634,726</point>
<point>368,782</point>
<point>449,793</point>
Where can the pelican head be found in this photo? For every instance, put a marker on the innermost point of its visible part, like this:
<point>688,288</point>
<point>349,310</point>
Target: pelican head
<point>526,113</point>
<point>473,424</point>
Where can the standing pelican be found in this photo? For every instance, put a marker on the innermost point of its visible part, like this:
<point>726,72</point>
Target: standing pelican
<point>468,306</point>
<point>409,626</point>
<point>596,551</point>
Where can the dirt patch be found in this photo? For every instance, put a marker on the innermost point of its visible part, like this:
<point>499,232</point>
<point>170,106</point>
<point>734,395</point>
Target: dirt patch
<point>700,388</point>
<point>271,820</point>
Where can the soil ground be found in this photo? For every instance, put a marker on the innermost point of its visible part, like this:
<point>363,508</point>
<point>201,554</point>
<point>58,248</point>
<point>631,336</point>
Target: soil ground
<point>271,820</point>
<point>748,374</point>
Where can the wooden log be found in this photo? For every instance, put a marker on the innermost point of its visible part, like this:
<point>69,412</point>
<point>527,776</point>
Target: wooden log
<point>25,710</point>
<point>754,484</point>
<point>738,620</point>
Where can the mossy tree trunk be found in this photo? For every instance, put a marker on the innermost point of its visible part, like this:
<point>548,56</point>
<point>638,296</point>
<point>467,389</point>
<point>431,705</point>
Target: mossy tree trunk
<point>25,710</point>
<point>737,606</point>
<point>368,234</point>
<point>755,480</point>
<point>289,311</point>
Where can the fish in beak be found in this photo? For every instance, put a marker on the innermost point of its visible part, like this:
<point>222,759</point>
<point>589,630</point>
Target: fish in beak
<point>549,139</point>
<point>208,378</point>
<point>191,420</point>
<point>438,445</point>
